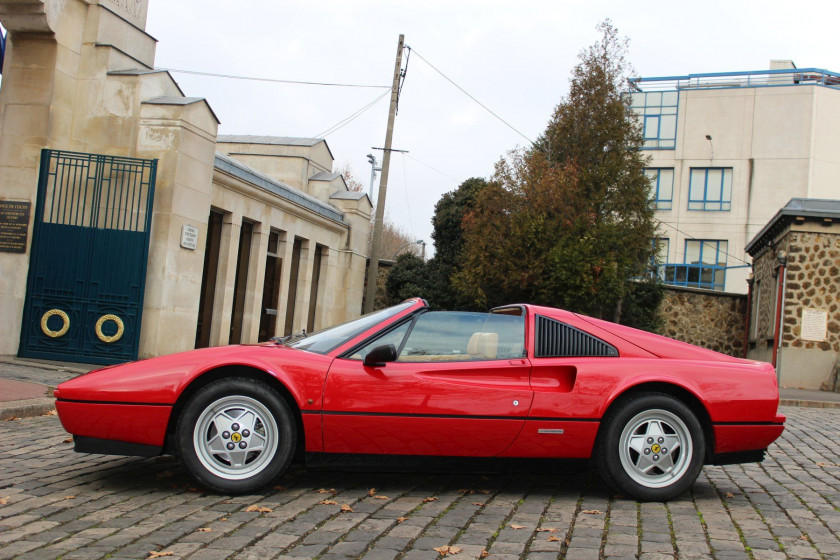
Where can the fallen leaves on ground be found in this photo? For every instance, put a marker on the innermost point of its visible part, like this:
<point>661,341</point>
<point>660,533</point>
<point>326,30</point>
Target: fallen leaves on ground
<point>592,511</point>
<point>372,492</point>
<point>328,503</point>
<point>153,554</point>
<point>552,538</point>
<point>50,413</point>
<point>484,554</point>
<point>279,488</point>
<point>730,495</point>
<point>430,499</point>
<point>68,440</point>
<point>479,503</point>
<point>223,519</point>
<point>205,530</point>
<point>401,519</point>
<point>346,509</point>
<point>446,550</point>
<point>69,497</point>
<point>258,509</point>
<point>381,497</point>
<point>547,530</point>
<point>4,500</point>
<point>516,526</point>
<point>325,491</point>
<point>13,418</point>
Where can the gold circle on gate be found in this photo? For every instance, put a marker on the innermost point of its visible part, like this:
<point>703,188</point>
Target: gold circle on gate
<point>60,332</point>
<point>113,338</point>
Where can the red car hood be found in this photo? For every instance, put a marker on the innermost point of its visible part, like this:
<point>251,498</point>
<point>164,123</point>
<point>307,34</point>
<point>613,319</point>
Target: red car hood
<point>661,346</point>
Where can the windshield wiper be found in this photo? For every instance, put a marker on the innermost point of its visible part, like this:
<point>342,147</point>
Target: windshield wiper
<point>289,338</point>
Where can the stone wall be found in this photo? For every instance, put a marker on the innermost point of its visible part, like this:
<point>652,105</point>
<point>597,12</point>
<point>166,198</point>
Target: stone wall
<point>813,282</point>
<point>713,320</point>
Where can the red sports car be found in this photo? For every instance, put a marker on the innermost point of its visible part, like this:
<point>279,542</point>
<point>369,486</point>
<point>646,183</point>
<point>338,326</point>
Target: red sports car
<point>519,381</point>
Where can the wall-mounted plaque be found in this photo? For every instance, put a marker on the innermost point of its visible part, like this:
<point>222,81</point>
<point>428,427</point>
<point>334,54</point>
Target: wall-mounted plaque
<point>814,323</point>
<point>14,225</point>
<point>189,237</point>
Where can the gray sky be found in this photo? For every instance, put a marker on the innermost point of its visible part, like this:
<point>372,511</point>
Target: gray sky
<point>514,57</point>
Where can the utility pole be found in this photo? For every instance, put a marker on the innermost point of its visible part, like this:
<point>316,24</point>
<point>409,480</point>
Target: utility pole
<point>376,247</point>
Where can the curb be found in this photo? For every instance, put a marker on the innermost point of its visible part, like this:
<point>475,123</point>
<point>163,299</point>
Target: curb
<point>14,360</point>
<point>809,404</point>
<point>26,408</point>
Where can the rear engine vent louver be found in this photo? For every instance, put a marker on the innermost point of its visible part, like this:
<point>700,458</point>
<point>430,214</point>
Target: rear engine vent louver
<point>556,339</point>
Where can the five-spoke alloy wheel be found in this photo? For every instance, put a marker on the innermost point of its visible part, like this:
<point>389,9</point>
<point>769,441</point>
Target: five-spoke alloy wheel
<point>236,435</point>
<point>651,447</point>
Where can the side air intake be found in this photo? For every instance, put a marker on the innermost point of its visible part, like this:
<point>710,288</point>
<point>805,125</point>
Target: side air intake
<point>556,339</point>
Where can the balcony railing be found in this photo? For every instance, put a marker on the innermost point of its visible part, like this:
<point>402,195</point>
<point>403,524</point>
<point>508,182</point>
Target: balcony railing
<point>693,275</point>
<point>760,78</point>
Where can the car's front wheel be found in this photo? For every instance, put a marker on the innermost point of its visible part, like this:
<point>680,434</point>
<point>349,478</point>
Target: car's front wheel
<point>236,435</point>
<point>651,447</point>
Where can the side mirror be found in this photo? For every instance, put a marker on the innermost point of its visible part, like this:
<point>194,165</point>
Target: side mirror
<point>380,355</point>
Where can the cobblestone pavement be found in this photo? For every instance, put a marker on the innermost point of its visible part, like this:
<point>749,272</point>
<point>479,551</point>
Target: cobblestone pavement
<point>59,504</point>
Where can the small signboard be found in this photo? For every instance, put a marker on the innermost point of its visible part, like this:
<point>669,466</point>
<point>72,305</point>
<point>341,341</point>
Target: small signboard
<point>14,225</point>
<point>814,324</point>
<point>189,237</point>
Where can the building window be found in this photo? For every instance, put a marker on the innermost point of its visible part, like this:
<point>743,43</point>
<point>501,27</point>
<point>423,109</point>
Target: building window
<point>661,186</point>
<point>657,112</point>
<point>710,189</point>
<point>704,265</point>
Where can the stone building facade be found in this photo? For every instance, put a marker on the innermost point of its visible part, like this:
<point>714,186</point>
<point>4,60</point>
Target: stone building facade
<point>247,239</point>
<point>796,288</point>
<point>705,318</point>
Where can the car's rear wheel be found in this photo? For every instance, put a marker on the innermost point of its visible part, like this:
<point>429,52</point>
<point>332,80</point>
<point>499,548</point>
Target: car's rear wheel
<point>236,435</point>
<point>651,447</point>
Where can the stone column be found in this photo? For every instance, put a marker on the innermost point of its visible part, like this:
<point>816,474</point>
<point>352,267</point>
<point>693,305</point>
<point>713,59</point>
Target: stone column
<point>304,287</point>
<point>255,285</point>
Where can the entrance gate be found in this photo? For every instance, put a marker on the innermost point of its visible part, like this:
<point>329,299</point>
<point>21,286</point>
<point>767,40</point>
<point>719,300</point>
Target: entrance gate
<point>87,270</point>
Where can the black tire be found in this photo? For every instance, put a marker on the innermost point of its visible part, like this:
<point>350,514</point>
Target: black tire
<point>246,414</point>
<point>631,452</point>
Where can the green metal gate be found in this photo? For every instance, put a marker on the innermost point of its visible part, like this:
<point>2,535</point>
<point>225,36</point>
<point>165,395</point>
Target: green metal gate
<point>87,266</point>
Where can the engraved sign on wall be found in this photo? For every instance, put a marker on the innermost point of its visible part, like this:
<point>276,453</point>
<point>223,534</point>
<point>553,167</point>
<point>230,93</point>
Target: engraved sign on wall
<point>14,225</point>
<point>133,10</point>
<point>189,237</point>
<point>814,324</point>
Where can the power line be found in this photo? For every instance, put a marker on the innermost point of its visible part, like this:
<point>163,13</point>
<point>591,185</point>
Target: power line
<point>274,80</point>
<point>709,245</point>
<point>407,202</point>
<point>351,118</point>
<point>434,169</point>
<point>465,92</point>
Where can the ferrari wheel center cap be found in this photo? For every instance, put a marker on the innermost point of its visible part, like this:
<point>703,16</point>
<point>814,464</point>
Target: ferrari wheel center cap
<point>655,447</point>
<point>236,436</point>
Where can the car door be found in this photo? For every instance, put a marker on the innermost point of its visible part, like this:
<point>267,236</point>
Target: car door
<point>459,387</point>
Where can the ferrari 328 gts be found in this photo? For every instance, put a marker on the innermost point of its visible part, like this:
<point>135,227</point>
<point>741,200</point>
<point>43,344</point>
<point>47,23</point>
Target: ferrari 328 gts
<point>519,381</point>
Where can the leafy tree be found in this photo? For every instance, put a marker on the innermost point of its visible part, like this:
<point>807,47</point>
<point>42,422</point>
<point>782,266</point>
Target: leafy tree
<point>569,221</point>
<point>433,281</point>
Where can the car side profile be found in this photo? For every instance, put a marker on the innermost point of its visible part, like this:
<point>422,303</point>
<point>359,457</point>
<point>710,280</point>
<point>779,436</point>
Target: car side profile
<point>519,381</point>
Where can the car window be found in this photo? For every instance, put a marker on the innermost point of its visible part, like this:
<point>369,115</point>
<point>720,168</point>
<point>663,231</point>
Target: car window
<point>394,337</point>
<point>333,337</point>
<point>454,336</point>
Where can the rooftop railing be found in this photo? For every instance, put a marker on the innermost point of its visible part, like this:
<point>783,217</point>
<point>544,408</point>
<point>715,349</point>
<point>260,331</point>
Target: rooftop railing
<point>720,80</point>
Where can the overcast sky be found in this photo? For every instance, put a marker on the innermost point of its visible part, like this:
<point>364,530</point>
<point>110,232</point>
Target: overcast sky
<point>513,56</point>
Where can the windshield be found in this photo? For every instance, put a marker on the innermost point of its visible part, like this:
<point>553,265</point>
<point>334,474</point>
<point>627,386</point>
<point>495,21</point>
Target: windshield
<point>333,337</point>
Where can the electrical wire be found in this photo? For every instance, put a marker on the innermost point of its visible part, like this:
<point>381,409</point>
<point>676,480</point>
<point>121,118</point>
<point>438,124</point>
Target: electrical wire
<point>407,203</point>
<point>274,80</point>
<point>340,124</point>
<point>432,168</point>
<point>465,92</point>
<point>705,244</point>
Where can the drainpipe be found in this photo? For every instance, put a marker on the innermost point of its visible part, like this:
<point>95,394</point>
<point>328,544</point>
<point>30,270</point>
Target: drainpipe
<point>780,303</point>
<point>748,318</point>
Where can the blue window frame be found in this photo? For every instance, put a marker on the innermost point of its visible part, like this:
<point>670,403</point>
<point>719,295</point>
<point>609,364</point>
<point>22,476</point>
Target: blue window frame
<point>661,186</point>
<point>657,111</point>
<point>710,189</point>
<point>704,265</point>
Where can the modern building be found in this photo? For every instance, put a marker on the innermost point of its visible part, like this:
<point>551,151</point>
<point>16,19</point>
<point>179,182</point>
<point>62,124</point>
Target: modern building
<point>794,300</point>
<point>127,228</point>
<point>727,151</point>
